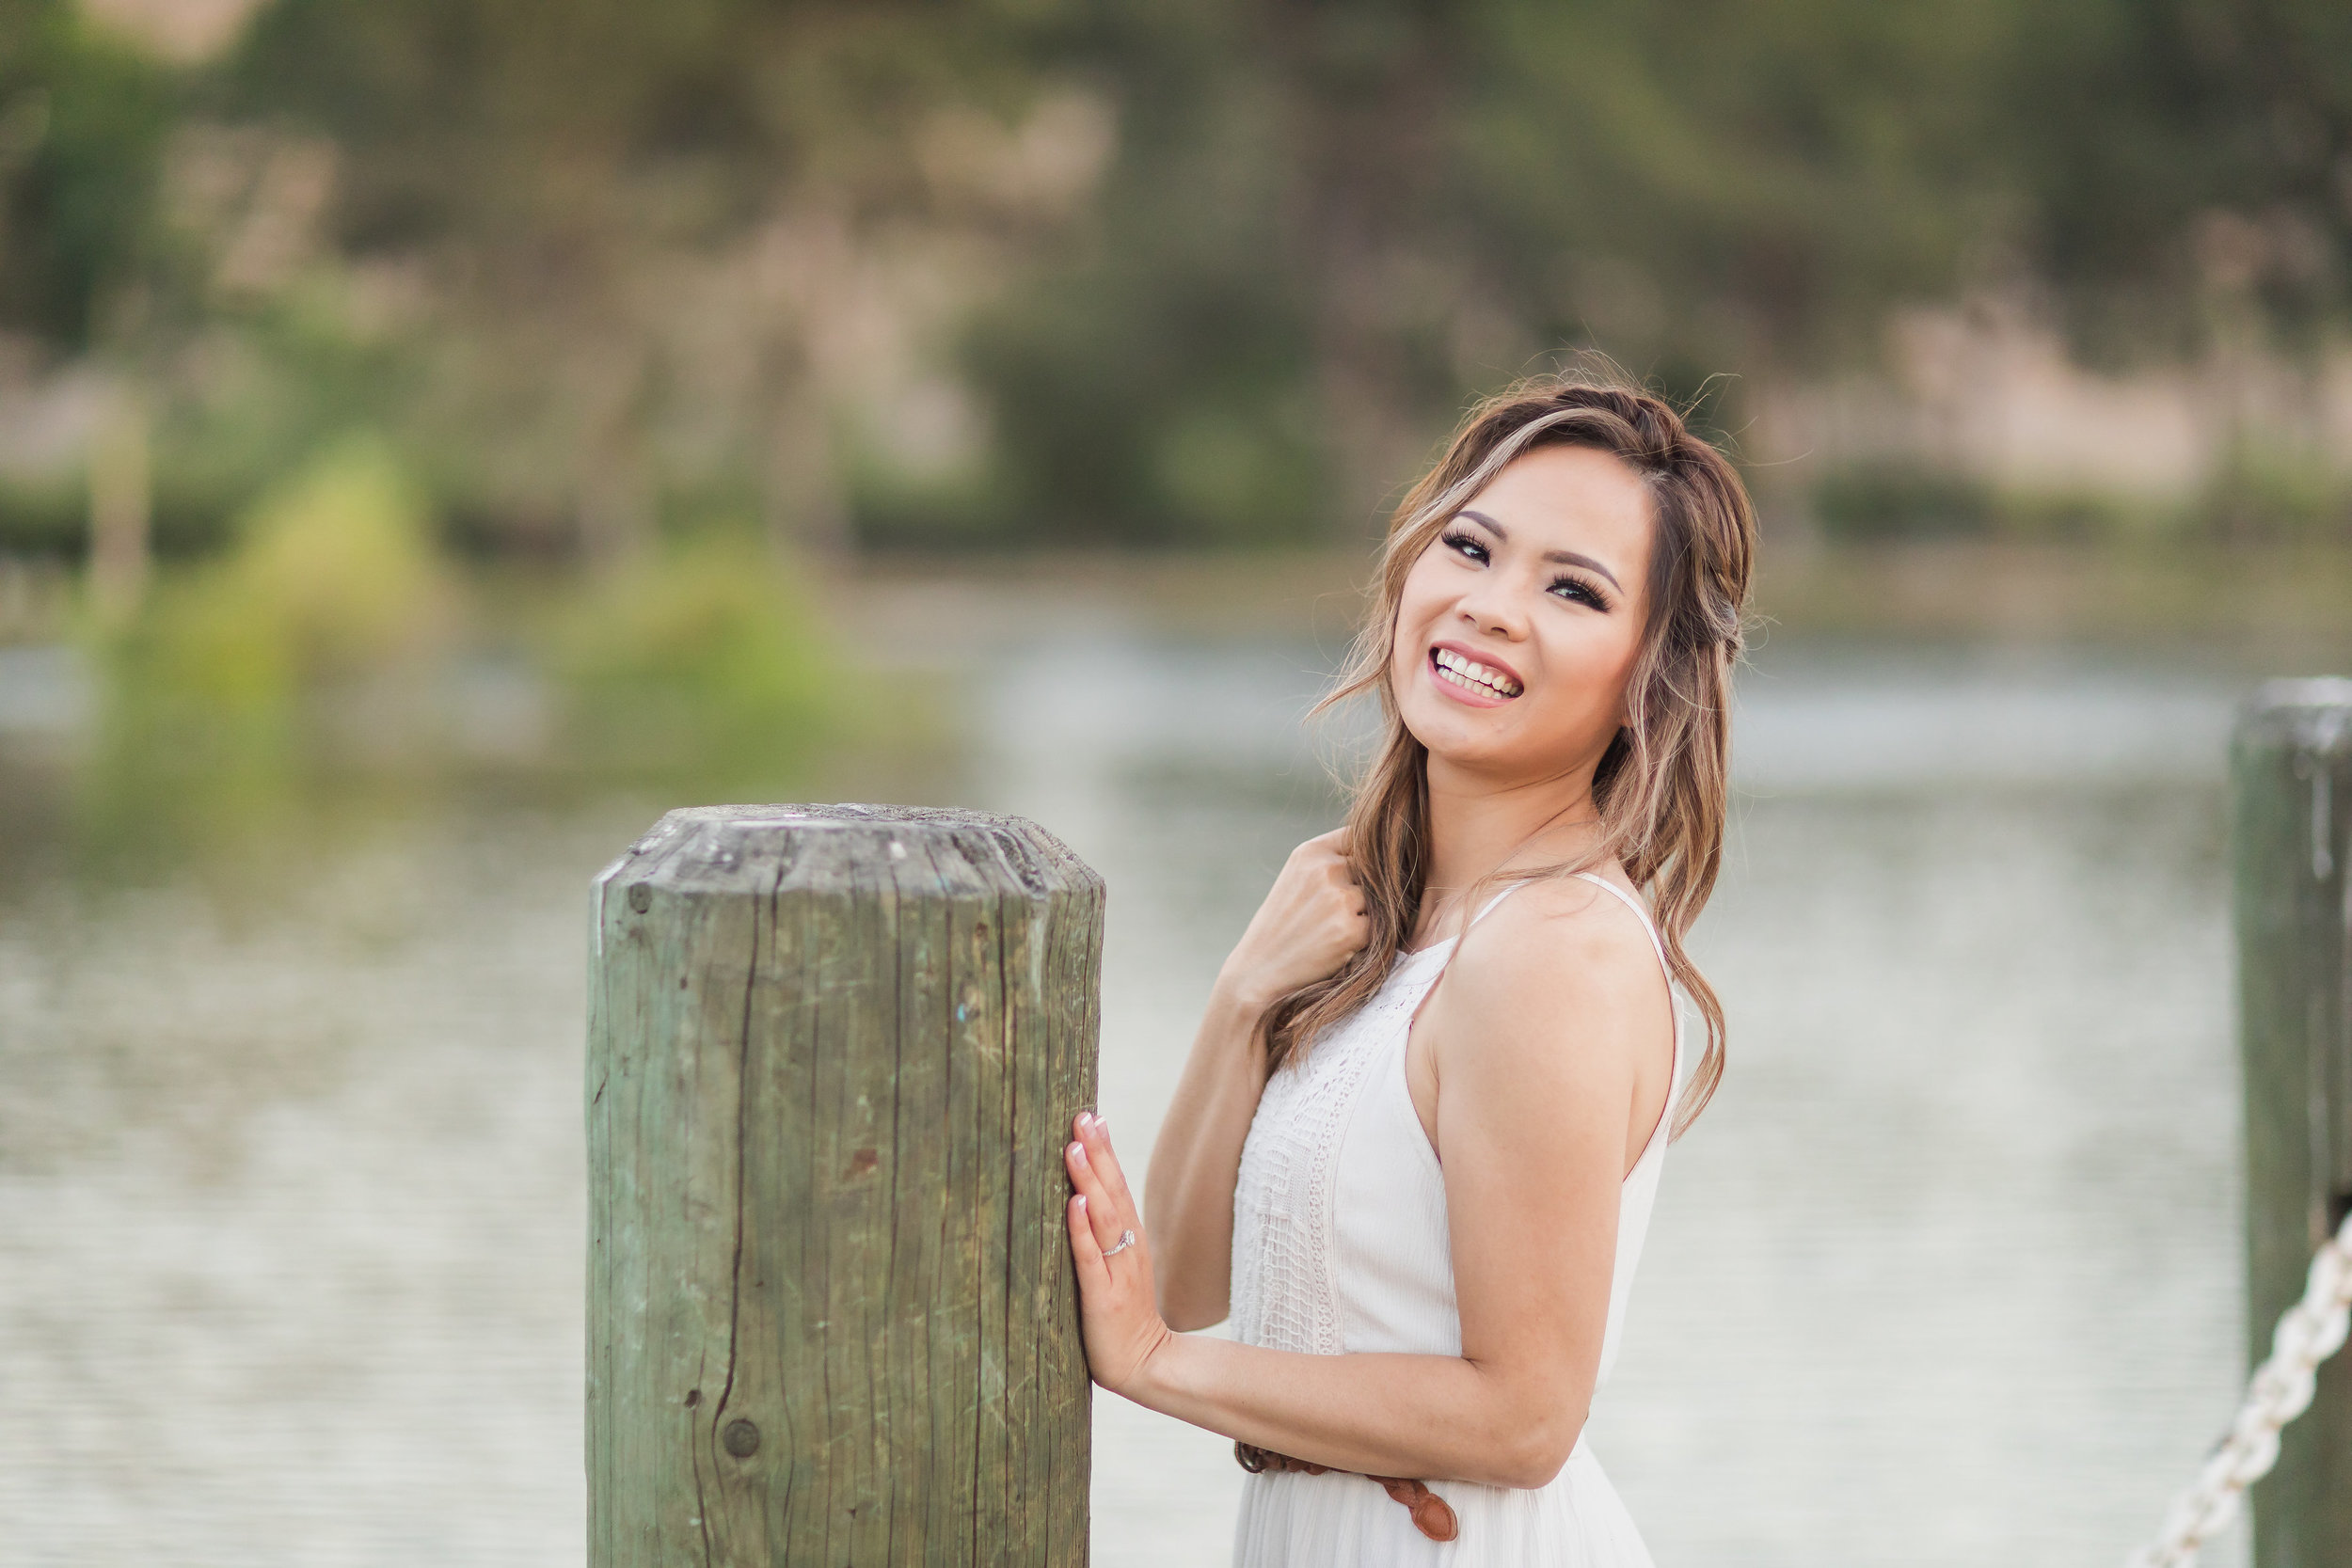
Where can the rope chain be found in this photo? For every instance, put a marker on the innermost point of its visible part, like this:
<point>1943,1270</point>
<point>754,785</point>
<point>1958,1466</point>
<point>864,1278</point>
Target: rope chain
<point>2280,1389</point>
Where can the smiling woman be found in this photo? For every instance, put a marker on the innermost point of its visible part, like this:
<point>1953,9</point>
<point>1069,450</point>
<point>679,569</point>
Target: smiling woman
<point>1421,1203</point>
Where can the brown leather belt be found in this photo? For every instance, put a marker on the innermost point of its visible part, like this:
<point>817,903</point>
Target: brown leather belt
<point>1431,1515</point>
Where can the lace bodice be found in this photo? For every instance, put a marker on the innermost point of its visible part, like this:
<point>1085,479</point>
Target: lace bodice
<point>1284,1296</point>
<point>1340,1234</point>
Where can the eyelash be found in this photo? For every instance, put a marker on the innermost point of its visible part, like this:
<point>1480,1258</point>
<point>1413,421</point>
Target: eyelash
<point>1582,591</point>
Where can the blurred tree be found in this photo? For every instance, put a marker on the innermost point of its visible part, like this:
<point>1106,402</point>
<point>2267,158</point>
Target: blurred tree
<point>1330,224</point>
<point>601,269</point>
<point>2172,156</point>
<point>83,119</point>
<point>632,234</point>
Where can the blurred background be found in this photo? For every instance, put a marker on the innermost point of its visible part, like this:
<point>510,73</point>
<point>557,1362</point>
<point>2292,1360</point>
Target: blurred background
<point>437,436</point>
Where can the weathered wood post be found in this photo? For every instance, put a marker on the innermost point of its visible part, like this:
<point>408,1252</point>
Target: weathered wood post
<point>834,1052</point>
<point>2292,831</point>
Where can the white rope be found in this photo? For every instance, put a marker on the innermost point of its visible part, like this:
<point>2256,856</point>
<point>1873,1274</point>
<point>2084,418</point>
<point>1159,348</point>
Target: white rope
<point>2280,1389</point>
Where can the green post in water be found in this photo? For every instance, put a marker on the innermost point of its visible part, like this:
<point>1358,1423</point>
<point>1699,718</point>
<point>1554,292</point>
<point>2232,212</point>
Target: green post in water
<point>834,1052</point>
<point>2292,834</point>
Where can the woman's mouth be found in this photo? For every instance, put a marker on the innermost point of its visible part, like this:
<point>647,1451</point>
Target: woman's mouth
<point>1479,680</point>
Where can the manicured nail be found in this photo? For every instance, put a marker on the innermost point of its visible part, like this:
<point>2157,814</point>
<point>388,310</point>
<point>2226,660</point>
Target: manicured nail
<point>1081,1151</point>
<point>1081,1200</point>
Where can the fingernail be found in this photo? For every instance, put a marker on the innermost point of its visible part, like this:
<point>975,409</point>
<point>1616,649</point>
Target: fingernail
<point>1081,1149</point>
<point>1081,1200</point>
<point>1103,1125</point>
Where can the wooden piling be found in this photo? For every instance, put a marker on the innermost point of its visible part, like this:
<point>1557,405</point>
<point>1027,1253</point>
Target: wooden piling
<point>834,1052</point>
<point>2291,837</point>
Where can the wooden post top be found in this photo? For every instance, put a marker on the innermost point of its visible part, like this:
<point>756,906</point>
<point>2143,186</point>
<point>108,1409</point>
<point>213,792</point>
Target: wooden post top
<point>947,851</point>
<point>2313,714</point>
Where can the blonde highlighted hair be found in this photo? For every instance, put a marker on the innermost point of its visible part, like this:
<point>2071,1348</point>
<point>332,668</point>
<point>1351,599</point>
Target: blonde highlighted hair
<point>1661,786</point>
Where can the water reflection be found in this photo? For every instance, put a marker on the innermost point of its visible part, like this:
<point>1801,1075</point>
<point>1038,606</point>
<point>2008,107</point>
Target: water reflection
<point>290,1172</point>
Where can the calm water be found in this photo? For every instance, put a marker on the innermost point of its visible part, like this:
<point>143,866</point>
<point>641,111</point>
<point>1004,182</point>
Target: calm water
<point>290,1171</point>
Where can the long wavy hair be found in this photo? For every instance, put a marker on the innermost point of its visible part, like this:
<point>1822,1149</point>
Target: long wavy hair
<point>1660,785</point>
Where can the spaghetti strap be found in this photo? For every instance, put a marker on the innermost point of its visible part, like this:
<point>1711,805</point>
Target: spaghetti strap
<point>1487,907</point>
<point>1640,913</point>
<point>1657,943</point>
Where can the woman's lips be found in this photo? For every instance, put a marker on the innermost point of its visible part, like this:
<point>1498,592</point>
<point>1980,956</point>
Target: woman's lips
<point>1471,680</point>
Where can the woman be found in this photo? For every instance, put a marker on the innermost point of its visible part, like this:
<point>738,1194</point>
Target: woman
<point>1421,1203</point>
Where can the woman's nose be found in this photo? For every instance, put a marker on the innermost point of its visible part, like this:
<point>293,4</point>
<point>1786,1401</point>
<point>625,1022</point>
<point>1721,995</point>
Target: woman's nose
<point>1489,609</point>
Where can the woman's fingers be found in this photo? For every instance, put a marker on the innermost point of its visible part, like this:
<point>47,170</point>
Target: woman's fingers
<point>1095,1134</point>
<point>1082,1245</point>
<point>1102,1208</point>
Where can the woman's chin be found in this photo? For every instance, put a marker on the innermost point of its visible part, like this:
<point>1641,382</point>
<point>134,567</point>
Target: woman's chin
<point>1457,739</point>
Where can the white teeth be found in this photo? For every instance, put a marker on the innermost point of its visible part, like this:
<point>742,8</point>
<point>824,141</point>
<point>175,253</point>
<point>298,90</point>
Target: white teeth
<point>1473,677</point>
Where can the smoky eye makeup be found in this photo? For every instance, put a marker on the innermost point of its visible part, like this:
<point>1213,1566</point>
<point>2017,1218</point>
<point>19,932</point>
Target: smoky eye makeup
<point>1577,590</point>
<point>1464,542</point>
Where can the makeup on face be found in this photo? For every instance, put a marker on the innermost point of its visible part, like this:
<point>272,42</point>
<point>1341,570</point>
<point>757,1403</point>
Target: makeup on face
<point>1564,558</point>
<point>1527,599</point>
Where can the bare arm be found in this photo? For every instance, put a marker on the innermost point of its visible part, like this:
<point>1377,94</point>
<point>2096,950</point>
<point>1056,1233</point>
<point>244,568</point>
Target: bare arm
<point>1544,1038</point>
<point>1197,1159</point>
<point>1311,920</point>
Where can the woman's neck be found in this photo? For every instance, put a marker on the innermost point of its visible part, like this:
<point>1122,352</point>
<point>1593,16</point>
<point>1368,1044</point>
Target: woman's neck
<point>1478,825</point>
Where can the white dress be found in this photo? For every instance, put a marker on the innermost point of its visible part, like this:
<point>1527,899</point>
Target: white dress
<point>1339,1246</point>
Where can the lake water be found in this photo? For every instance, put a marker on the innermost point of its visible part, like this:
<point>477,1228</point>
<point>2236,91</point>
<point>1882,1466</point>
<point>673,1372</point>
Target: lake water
<point>291,1165</point>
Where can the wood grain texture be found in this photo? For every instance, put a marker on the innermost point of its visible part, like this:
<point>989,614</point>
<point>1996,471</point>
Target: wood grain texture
<point>834,1052</point>
<point>2291,771</point>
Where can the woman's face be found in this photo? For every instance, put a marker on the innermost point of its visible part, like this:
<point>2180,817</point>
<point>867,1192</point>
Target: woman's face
<point>1521,622</point>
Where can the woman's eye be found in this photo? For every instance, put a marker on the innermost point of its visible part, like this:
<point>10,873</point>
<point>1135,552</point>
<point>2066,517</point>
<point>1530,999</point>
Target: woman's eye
<point>1576,591</point>
<point>1466,545</point>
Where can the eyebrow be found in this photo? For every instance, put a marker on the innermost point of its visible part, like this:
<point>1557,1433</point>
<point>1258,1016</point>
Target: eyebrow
<point>1564,558</point>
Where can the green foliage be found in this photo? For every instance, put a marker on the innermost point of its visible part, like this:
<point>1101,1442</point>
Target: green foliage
<point>2166,157</point>
<point>333,580</point>
<point>580,254</point>
<point>1902,501</point>
<point>2266,496</point>
<point>338,563</point>
<point>280,378</point>
<point>332,622</point>
<point>45,515</point>
<point>328,646</point>
<point>308,645</point>
<point>699,661</point>
<point>575,186</point>
<point>1915,500</point>
<point>82,126</point>
<point>1153,402</point>
<point>1394,205</point>
<point>1158,383</point>
<point>2260,497</point>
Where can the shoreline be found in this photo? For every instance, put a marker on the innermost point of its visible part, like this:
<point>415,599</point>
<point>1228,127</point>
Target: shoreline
<point>2258,604</point>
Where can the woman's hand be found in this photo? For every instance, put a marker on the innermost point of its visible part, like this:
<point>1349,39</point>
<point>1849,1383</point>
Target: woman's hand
<point>1116,1301</point>
<point>1312,919</point>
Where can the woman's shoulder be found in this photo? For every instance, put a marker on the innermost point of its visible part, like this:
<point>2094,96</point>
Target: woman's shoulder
<point>1556,995</point>
<point>1556,939</point>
